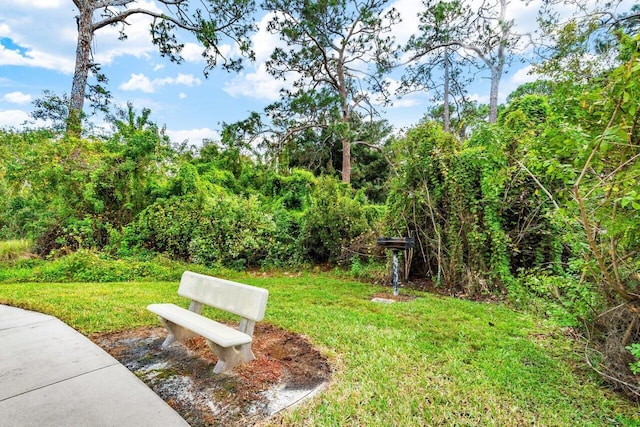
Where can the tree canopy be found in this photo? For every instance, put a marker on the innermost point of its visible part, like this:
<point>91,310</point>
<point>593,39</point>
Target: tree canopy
<point>214,22</point>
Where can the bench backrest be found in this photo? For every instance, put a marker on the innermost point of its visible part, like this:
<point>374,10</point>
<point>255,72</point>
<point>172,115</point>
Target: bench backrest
<point>246,301</point>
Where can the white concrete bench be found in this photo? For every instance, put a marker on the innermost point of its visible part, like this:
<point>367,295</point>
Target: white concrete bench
<point>231,346</point>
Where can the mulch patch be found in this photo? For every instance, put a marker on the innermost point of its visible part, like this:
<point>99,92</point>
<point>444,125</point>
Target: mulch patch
<point>287,369</point>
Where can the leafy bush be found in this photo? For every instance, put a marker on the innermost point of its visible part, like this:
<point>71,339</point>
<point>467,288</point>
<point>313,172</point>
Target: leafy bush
<point>561,297</point>
<point>233,231</point>
<point>332,221</point>
<point>635,351</point>
<point>221,229</point>
<point>447,197</point>
<point>369,270</point>
<point>166,226</point>
<point>291,192</point>
<point>285,247</point>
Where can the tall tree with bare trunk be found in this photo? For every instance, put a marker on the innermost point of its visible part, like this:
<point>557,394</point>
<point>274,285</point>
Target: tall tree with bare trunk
<point>338,52</point>
<point>481,31</point>
<point>214,22</point>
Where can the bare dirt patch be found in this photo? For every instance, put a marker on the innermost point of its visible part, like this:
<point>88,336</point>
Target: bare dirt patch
<point>286,370</point>
<point>389,296</point>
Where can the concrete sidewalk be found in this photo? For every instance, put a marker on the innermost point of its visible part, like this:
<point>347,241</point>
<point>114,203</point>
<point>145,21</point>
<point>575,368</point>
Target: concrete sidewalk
<point>51,375</point>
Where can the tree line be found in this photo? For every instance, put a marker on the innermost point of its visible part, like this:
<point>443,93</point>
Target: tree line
<point>337,53</point>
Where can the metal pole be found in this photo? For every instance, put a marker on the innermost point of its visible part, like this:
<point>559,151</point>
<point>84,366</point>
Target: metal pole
<point>395,273</point>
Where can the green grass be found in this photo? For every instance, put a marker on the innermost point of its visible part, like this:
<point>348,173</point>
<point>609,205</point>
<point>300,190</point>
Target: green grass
<point>430,361</point>
<point>11,250</point>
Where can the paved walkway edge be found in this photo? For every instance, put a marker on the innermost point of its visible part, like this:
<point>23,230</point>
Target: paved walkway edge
<point>52,375</point>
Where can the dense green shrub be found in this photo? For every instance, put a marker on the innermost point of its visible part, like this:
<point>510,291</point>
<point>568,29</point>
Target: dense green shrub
<point>332,221</point>
<point>291,192</point>
<point>233,230</point>
<point>473,210</point>
<point>225,229</point>
<point>167,226</point>
<point>561,297</point>
<point>285,246</point>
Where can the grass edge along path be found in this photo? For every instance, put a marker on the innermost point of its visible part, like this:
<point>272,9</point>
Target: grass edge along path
<point>430,361</point>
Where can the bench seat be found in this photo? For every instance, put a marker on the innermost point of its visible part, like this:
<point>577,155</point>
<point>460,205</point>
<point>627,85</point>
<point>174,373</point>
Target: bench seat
<point>231,345</point>
<point>223,335</point>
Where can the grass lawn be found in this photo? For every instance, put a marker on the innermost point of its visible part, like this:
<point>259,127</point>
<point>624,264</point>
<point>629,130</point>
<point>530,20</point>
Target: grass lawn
<point>430,361</point>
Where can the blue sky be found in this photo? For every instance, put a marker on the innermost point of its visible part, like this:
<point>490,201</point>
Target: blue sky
<point>37,51</point>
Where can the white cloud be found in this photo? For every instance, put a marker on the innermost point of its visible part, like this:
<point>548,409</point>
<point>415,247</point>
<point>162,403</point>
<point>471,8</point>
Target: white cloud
<point>409,10</point>
<point>408,101</point>
<point>182,95</point>
<point>523,75</point>
<point>481,99</point>
<point>185,79</point>
<point>256,82</point>
<point>35,58</point>
<point>259,84</point>
<point>192,52</point>
<point>17,98</point>
<point>142,83</point>
<point>138,44</point>
<point>194,136</point>
<point>263,41</point>
<point>524,15</point>
<point>37,4</point>
<point>40,34</point>
<point>138,82</point>
<point>5,31</point>
<point>13,118</point>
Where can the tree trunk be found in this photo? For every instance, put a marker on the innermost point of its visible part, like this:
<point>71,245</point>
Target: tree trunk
<point>447,119</point>
<point>81,71</point>
<point>496,70</point>
<point>346,118</point>
<point>493,95</point>
<point>346,160</point>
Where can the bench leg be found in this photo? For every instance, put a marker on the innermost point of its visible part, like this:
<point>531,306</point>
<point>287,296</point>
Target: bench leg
<point>229,357</point>
<point>175,332</point>
<point>246,355</point>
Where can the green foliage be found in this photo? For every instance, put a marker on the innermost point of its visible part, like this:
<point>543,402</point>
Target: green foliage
<point>133,195</point>
<point>526,112</point>
<point>368,270</point>
<point>479,208</point>
<point>291,192</point>
<point>332,221</point>
<point>563,298</point>
<point>167,226</point>
<point>68,193</point>
<point>448,197</point>
<point>131,174</point>
<point>225,229</point>
<point>285,247</point>
<point>635,351</point>
<point>233,231</point>
<point>593,146</point>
